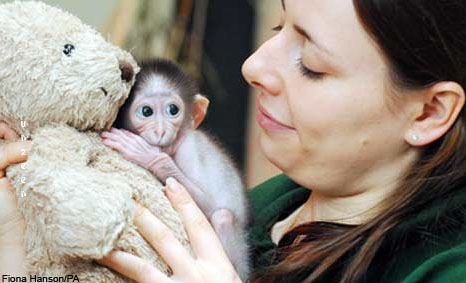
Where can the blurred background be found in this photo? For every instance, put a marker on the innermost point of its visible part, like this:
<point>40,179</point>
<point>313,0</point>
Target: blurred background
<point>210,39</point>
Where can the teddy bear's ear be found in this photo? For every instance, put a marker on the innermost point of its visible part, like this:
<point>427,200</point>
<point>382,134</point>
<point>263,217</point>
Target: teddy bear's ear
<point>127,71</point>
<point>201,103</point>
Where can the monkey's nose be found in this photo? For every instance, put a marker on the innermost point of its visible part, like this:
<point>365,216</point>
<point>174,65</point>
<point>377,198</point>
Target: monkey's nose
<point>127,71</point>
<point>159,132</point>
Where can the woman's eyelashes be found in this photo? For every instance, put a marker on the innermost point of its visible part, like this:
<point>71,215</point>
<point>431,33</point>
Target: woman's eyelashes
<point>308,72</point>
<point>277,28</point>
<point>303,69</point>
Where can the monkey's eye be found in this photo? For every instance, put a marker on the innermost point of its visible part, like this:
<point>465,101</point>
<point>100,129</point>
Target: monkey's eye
<point>173,110</point>
<point>145,111</point>
<point>67,49</point>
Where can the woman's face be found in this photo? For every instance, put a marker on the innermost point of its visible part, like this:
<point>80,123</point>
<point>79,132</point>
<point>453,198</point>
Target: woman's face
<point>324,101</point>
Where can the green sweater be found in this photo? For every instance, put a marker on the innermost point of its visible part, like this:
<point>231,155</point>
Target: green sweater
<point>429,247</point>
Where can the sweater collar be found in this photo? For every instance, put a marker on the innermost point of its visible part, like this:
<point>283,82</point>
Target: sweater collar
<point>283,196</point>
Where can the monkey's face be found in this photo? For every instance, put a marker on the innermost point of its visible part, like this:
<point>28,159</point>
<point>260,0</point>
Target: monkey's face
<point>157,118</point>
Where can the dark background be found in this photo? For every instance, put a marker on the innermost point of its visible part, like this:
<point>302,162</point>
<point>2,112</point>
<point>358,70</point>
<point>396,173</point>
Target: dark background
<point>228,42</point>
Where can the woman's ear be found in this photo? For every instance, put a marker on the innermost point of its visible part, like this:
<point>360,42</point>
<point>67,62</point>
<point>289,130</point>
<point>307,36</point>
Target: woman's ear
<point>435,112</point>
<point>201,103</point>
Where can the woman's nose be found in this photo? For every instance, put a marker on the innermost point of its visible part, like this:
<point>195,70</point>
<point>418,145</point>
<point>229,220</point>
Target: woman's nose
<point>261,71</point>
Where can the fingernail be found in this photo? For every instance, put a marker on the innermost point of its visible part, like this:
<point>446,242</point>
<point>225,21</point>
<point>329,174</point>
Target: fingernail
<point>173,185</point>
<point>137,207</point>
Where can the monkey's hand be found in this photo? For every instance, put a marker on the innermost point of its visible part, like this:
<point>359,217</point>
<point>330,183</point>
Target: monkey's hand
<point>131,146</point>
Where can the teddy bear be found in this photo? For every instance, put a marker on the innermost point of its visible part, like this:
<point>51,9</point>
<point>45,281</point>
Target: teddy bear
<point>61,83</point>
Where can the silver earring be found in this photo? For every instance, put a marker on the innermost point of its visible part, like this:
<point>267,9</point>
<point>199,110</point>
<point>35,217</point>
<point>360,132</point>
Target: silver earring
<point>415,137</point>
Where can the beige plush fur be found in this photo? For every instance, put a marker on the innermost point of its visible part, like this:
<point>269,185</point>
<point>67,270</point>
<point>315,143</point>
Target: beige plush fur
<point>74,192</point>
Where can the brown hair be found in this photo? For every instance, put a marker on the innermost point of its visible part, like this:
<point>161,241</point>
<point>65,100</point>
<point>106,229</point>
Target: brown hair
<point>424,42</point>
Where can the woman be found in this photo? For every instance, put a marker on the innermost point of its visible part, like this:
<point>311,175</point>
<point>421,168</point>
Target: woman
<point>362,103</point>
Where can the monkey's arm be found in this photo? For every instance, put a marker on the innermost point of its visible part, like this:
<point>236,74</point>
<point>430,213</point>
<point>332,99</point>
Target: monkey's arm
<point>227,225</point>
<point>204,162</point>
<point>202,169</point>
<point>137,150</point>
<point>163,166</point>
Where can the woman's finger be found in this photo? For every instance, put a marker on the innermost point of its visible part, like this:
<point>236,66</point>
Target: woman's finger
<point>7,133</point>
<point>201,235</point>
<point>6,185</point>
<point>161,238</point>
<point>14,152</point>
<point>133,267</point>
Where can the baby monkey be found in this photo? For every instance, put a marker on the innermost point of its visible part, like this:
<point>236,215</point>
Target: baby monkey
<point>159,122</point>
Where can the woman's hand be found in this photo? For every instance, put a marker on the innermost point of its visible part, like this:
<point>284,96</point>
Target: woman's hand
<point>12,254</point>
<point>210,263</point>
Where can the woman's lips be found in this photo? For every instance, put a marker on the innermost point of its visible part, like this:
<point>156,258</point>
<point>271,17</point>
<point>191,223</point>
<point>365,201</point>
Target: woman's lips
<point>266,121</point>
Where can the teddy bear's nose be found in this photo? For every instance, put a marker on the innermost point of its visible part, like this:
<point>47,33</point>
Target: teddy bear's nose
<point>127,71</point>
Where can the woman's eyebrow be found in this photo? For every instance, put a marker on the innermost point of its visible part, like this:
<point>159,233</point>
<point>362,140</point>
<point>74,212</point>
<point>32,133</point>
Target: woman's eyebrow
<point>306,35</point>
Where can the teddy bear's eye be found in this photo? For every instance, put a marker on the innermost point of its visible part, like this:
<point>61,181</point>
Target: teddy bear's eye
<point>67,49</point>
<point>145,111</point>
<point>173,110</point>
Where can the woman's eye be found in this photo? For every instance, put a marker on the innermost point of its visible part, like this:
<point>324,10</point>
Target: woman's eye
<point>308,72</point>
<point>145,111</point>
<point>173,110</point>
<point>277,28</point>
<point>68,48</point>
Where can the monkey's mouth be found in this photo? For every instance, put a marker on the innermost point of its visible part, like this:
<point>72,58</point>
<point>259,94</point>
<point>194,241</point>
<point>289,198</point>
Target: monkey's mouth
<point>104,91</point>
<point>157,141</point>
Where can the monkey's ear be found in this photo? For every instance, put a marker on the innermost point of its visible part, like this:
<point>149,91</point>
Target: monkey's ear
<point>200,109</point>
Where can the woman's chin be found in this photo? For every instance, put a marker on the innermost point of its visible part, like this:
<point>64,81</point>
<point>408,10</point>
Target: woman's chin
<point>278,153</point>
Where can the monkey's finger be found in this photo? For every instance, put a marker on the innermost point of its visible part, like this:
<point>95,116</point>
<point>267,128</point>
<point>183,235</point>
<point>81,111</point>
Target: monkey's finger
<point>116,138</point>
<point>119,134</point>
<point>14,152</point>
<point>201,234</point>
<point>114,144</point>
<point>163,241</point>
<point>133,267</point>
<point>7,133</point>
<point>125,150</point>
<point>134,137</point>
<point>128,133</point>
<point>117,131</point>
<point>111,136</point>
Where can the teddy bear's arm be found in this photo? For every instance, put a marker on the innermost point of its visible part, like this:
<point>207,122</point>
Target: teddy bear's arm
<point>78,210</point>
<point>83,212</point>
